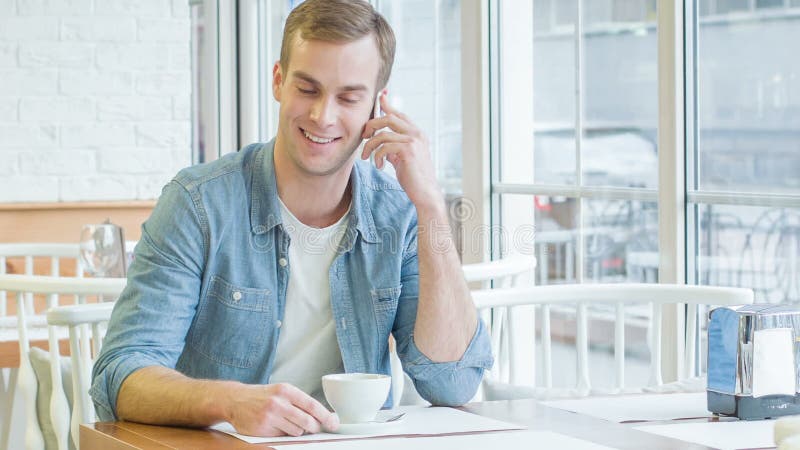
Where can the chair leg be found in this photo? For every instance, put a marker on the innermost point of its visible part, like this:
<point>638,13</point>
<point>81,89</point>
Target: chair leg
<point>7,403</point>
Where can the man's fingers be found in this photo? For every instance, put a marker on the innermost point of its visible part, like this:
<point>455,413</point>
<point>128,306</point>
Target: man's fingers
<point>387,150</point>
<point>389,109</point>
<point>313,408</point>
<point>381,139</point>
<point>288,427</point>
<point>392,121</point>
<point>303,420</point>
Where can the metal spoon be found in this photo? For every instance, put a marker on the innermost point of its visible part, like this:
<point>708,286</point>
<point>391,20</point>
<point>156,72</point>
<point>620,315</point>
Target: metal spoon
<point>391,419</point>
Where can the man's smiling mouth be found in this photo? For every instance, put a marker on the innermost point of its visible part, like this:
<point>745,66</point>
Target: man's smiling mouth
<point>317,139</point>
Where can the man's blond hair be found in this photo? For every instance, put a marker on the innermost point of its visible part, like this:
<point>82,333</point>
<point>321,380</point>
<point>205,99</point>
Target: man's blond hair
<point>340,21</point>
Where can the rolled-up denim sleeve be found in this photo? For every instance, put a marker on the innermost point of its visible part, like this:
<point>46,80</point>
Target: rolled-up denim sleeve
<point>151,318</point>
<point>450,383</point>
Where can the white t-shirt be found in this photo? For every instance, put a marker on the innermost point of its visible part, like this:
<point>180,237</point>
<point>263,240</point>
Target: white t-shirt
<point>307,346</point>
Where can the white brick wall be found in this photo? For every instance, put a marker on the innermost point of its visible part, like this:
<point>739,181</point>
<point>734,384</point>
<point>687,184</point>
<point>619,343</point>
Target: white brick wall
<point>95,98</point>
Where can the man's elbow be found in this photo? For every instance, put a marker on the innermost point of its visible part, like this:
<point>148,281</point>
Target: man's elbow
<point>458,390</point>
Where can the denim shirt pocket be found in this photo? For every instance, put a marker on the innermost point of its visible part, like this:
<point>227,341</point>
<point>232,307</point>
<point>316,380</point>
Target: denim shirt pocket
<point>384,305</point>
<point>232,323</point>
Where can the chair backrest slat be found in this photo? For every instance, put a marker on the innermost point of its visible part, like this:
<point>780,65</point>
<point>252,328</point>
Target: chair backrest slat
<point>97,340</point>
<point>29,295</point>
<point>692,325</point>
<point>547,353</point>
<point>655,345</point>
<point>619,344</point>
<point>3,297</point>
<point>510,346</point>
<point>582,345</point>
<point>26,379</point>
<point>497,333</point>
<point>59,406</point>
<point>54,266</point>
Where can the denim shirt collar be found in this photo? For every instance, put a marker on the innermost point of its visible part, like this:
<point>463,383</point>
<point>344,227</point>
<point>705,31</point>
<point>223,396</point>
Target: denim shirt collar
<point>265,212</point>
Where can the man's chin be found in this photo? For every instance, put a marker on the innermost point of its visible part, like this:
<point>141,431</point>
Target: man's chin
<point>323,169</point>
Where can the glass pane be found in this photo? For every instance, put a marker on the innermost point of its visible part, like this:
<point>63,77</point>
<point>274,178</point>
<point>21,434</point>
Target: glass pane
<point>426,78</point>
<point>553,95</point>
<point>555,220</point>
<point>748,246</point>
<point>621,97</point>
<point>621,241</point>
<point>749,105</point>
<point>271,34</point>
<point>727,6</point>
<point>517,234</point>
<point>705,7</point>
<point>619,89</point>
<point>769,3</point>
<point>198,40</point>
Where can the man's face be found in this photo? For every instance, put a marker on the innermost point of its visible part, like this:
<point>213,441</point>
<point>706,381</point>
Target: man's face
<point>326,95</point>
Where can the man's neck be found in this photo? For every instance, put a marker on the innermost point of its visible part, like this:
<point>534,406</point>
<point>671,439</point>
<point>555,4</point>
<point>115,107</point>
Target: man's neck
<point>316,201</point>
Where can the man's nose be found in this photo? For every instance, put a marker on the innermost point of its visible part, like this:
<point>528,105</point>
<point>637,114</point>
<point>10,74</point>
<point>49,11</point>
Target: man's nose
<point>324,112</point>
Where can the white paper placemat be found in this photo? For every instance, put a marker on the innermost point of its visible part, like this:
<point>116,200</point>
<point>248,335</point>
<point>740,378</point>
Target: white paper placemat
<point>629,408</point>
<point>506,440</point>
<point>733,435</point>
<point>418,420</point>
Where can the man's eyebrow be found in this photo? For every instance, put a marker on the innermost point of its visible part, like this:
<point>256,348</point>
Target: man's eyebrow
<point>354,87</point>
<point>305,77</point>
<point>309,79</point>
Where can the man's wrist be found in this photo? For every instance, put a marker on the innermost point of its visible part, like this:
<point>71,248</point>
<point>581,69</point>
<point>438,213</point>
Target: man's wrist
<point>221,400</point>
<point>433,208</point>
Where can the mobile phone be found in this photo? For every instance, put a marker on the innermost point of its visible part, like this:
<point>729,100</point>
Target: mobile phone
<point>376,108</point>
<point>376,112</point>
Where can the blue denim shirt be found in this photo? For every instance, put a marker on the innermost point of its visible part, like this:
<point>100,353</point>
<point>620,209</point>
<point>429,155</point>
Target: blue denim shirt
<point>207,289</point>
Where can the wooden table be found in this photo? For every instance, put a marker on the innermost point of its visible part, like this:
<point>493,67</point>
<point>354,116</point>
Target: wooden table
<point>127,435</point>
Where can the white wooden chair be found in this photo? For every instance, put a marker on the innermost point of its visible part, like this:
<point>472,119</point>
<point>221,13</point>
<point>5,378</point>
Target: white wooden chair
<point>83,351</point>
<point>26,253</point>
<point>73,316</point>
<point>618,297</point>
<point>505,272</point>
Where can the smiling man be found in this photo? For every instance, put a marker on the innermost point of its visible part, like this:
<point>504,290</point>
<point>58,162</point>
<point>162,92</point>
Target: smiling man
<point>258,273</point>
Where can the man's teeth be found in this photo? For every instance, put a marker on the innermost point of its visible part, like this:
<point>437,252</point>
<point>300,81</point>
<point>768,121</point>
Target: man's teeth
<point>317,139</point>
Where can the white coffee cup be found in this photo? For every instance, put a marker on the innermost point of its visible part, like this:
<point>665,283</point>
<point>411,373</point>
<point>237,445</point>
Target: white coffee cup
<point>356,397</point>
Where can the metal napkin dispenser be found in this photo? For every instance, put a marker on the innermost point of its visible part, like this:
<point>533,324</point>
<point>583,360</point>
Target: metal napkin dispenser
<point>753,355</point>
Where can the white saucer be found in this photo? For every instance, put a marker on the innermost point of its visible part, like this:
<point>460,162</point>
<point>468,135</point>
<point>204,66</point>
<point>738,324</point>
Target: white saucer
<point>368,427</point>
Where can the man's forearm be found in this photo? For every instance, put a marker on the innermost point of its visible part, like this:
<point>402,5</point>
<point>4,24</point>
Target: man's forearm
<point>162,396</point>
<point>446,317</point>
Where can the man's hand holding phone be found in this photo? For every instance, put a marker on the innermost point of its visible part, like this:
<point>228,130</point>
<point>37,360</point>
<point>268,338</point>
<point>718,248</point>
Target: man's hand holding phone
<point>406,147</point>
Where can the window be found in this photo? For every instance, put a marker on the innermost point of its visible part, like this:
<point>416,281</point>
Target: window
<point>576,157</point>
<point>589,173</point>
<point>588,178</point>
<point>743,162</point>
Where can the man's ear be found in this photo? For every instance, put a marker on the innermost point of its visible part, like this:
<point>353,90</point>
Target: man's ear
<point>277,81</point>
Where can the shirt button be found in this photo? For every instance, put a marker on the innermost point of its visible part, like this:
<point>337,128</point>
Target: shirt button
<point>278,323</point>
<point>237,296</point>
<point>283,262</point>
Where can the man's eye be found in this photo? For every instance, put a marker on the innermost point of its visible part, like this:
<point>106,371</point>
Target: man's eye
<point>306,91</point>
<point>349,100</point>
